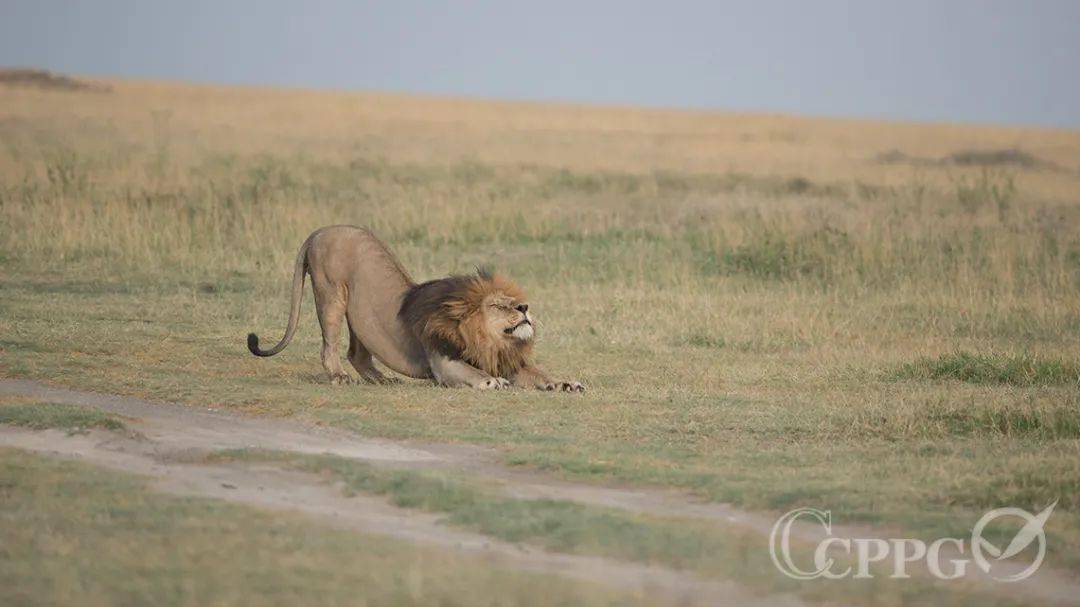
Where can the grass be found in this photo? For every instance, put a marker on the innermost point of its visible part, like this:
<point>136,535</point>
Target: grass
<point>553,524</point>
<point>75,534</point>
<point>1015,370</point>
<point>564,526</point>
<point>741,294</point>
<point>40,416</point>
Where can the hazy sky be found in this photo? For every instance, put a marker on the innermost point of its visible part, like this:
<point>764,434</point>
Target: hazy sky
<point>958,60</point>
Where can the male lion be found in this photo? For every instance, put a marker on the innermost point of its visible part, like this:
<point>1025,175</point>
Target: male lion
<point>471,330</point>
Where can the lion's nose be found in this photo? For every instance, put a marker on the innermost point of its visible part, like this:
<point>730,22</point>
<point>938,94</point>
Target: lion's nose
<point>523,308</point>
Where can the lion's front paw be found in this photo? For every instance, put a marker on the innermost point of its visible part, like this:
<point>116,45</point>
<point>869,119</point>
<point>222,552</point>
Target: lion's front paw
<point>563,386</point>
<point>341,379</point>
<point>493,383</point>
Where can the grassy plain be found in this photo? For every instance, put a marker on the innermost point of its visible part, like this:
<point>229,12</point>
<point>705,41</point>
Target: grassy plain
<point>767,310</point>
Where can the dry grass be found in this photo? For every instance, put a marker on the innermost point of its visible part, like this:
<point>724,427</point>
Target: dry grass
<point>340,127</point>
<point>240,173</point>
<point>737,290</point>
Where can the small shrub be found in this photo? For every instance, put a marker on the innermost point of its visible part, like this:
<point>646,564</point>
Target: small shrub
<point>798,185</point>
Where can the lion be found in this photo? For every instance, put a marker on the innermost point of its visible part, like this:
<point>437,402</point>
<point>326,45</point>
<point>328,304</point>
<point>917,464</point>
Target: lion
<point>464,330</point>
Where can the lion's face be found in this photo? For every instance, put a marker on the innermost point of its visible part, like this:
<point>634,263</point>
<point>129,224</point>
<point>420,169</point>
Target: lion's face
<point>506,317</point>
<point>485,316</point>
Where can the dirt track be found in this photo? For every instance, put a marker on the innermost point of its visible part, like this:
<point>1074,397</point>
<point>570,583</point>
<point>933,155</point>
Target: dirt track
<point>167,432</point>
<point>178,428</point>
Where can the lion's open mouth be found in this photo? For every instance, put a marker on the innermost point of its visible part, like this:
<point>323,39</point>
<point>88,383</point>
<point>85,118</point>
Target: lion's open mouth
<point>523,330</point>
<point>510,330</point>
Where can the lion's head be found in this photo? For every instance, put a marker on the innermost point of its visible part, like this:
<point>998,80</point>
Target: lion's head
<point>483,319</point>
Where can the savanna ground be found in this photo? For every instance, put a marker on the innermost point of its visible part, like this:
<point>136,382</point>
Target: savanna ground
<point>94,537</point>
<point>878,319</point>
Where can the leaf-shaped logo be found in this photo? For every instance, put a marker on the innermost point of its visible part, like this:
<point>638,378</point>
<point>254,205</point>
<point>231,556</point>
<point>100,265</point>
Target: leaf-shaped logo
<point>1031,531</point>
<point>1028,533</point>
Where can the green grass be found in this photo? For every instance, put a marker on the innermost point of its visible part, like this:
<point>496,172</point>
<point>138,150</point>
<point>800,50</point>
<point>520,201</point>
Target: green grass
<point>1015,370</point>
<point>945,419</point>
<point>40,416</point>
<point>553,524</point>
<point>73,534</point>
<point>723,552</point>
<point>765,426</point>
<point>748,339</point>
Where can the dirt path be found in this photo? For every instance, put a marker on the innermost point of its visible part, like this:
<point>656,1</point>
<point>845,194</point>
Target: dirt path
<point>169,430</point>
<point>167,433</point>
<point>271,487</point>
<point>182,427</point>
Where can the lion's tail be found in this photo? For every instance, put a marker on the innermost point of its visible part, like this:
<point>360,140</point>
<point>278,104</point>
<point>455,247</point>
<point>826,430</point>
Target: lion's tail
<point>294,312</point>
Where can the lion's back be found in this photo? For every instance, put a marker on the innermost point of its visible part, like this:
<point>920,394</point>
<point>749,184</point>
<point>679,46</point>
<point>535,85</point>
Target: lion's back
<point>355,256</point>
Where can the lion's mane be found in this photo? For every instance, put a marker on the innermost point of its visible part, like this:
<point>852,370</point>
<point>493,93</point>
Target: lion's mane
<point>447,314</point>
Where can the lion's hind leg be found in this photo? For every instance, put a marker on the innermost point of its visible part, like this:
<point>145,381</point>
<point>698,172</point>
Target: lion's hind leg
<point>361,360</point>
<point>331,312</point>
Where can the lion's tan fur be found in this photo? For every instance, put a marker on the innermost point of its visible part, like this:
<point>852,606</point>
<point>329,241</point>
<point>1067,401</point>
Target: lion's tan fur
<point>460,331</point>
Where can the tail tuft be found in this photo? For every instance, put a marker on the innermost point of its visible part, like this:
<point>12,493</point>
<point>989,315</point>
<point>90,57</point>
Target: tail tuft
<point>294,308</point>
<point>253,344</point>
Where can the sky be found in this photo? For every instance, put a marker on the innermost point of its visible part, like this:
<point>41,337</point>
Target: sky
<point>988,61</point>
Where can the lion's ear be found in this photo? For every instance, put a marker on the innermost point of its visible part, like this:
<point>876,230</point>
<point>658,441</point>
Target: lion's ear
<point>485,272</point>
